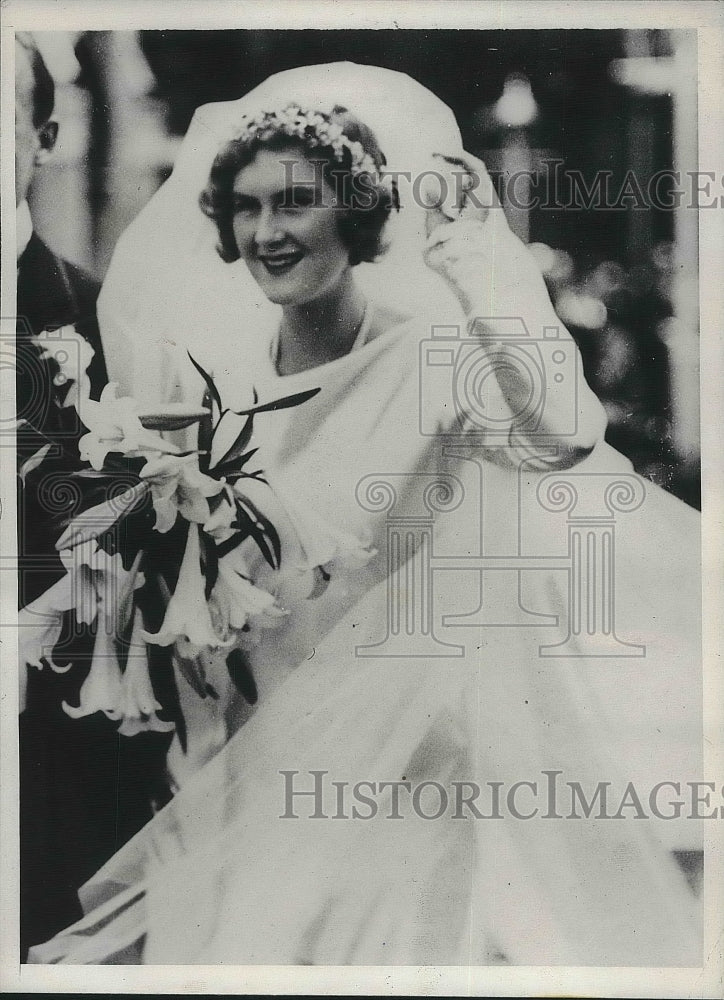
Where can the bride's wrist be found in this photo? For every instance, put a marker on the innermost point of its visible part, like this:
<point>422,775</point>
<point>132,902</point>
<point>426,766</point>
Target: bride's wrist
<point>540,323</point>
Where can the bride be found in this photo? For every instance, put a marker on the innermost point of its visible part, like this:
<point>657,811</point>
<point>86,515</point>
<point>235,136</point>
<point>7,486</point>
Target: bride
<point>357,805</point>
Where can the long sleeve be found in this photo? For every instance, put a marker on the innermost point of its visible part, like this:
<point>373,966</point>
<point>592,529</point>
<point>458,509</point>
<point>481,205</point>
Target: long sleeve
<point>518,374</point>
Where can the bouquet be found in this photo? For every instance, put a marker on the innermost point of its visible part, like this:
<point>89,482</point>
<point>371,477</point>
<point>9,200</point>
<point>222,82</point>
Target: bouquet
<point>154,563</point>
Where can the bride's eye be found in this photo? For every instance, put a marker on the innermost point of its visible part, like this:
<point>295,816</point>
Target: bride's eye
<point>297,197</point>
<point>242,203</point>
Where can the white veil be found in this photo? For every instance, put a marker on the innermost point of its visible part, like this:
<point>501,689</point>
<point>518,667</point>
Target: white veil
<point>545,893</point>
<point>167,288</point>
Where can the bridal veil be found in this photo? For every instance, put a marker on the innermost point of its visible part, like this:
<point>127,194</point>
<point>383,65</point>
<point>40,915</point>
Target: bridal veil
<point>219,876</point>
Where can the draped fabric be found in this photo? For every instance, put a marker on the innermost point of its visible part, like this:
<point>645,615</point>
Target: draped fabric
<point>220,876</point>
<point>512,627</point>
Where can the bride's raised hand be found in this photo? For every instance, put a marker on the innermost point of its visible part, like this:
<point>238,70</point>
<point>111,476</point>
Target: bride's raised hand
<point>496,278</point>
<point>470,243</point>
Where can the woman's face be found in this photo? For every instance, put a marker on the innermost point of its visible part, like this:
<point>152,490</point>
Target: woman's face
<point>285,226</point>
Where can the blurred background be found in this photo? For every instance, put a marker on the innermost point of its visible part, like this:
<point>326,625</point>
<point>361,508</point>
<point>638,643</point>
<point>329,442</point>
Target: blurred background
<point>544,103</point>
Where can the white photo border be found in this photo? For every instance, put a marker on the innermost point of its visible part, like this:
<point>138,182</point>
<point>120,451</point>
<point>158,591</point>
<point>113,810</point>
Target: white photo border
<point>708,19</point>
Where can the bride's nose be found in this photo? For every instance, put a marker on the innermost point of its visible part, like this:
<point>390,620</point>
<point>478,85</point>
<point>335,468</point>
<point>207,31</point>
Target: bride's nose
<point>269,232</point>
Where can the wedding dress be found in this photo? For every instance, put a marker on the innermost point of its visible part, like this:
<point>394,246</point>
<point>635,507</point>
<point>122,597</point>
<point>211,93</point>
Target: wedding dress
<point>454,659</point>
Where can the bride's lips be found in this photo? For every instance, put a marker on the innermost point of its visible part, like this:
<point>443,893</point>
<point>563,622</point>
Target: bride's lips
<point>280,263</point>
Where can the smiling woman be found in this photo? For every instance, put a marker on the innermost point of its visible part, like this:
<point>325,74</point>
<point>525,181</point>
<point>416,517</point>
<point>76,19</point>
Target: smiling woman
<point>342,150</point>
<point>297,195</point>
<point>289,236</point>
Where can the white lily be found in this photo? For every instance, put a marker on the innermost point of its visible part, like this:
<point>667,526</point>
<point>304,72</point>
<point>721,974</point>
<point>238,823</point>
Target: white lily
<point>191,662</point>
<point>40,624</point>
<point>237,604</point>
<point>101,690</point>
<point>138,703</point>
<point>73,355</point>
<point>348,551</point>
<point>97,520</point>
<point>93,579</point>
<point>187,615</point>
<point>179,487</point>
<point>219,523</point>
<point>91,570</point>
<point>323,543</point>
<point>113,425</point>
<point>97,578</point>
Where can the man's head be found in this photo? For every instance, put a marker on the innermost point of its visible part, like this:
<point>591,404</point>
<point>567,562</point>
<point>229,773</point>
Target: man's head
<point>35,131</point>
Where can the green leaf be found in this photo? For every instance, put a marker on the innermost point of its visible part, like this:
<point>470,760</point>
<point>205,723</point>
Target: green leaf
<point>237,448</point>
<point>205,437</point>
<point>246,457</point>
<point>173,417</point>
<point>91,474</point>
<point>230,467</point>
<point>223,548</point>
<point>209,562</point>
<point>34,461</point>
<point>241,675</point>
<point>261,530</point>
<point>210,385</point>
<point>279,404</point>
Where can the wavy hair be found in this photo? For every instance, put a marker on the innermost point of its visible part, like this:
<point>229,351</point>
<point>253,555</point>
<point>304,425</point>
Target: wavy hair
<point>367,210</point>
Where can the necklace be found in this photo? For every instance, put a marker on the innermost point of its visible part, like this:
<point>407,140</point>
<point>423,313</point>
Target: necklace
<point>360,339</point>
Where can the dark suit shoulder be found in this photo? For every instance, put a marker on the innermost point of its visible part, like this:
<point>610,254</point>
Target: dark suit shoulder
<point>53,292</point>
<point>85,287</point>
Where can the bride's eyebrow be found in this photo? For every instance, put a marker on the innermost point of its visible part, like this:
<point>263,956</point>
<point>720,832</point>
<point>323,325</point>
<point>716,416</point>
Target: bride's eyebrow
<point>285,196</point>
<point>240,200</point>
<point>305,188</point>
<point>455,161</point>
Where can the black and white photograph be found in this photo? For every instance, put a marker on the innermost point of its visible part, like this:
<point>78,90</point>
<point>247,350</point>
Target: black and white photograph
<point>361,498</point>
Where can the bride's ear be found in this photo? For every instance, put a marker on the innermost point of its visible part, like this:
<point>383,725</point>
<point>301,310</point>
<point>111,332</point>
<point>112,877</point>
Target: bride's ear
<point>47,136</point>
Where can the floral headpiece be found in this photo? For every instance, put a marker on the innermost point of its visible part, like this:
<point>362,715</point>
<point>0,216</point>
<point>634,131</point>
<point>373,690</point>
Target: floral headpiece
<point>315,128</point>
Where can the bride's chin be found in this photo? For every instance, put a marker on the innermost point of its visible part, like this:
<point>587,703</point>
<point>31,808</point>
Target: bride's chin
<point>279,298</point>
<point>273,289</point>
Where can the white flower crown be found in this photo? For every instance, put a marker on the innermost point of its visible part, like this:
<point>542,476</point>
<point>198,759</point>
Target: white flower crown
<point>315,128</point>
